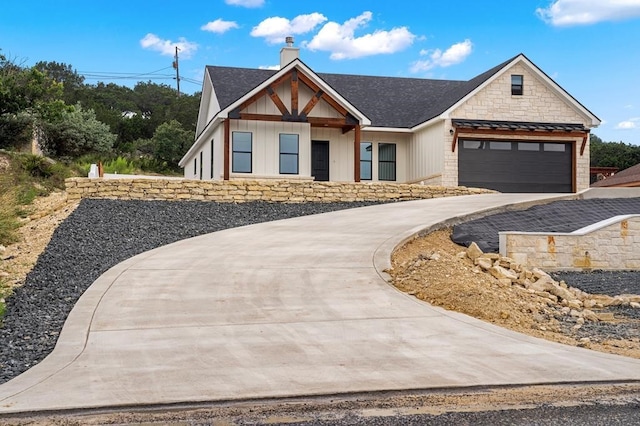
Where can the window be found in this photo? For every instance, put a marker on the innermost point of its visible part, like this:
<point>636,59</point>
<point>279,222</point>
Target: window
<point>241,157</point>
<point>289,150</point>
<point>517,84</point>
<point>473,144</point>
<point>212,149</point>
<point>556,147</point>
<point>366,157</point>
<point>200,165</point>
<point>195,167</point>
<point>528,146</point>
<point>387,161</point>
<point>502,146</point>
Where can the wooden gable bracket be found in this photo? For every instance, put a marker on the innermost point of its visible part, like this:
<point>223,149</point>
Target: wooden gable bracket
<point>286,115</point>
<point>454,142</point>
<point>294,93</point>
<point>584,143</point>
<point>312,102</point>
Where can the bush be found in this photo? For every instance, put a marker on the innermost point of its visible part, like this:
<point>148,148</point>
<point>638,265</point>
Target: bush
<point>119,165</point>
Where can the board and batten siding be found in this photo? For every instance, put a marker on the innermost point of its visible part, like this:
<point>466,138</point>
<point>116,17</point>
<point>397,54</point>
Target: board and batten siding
<point>265,157</point>
<point>426,155</point>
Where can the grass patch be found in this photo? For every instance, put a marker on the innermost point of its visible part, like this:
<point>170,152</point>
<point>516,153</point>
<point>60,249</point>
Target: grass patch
<point>23,177</point>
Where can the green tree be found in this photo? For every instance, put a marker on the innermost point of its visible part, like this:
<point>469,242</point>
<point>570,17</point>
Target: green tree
<point>75,131</point>
<point>170,142</point>
<point>63,74</point>
<point>613,154</point>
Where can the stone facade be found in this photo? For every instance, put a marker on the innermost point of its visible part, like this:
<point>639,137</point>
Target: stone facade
<point>611,244</point>
<point>242,190</point>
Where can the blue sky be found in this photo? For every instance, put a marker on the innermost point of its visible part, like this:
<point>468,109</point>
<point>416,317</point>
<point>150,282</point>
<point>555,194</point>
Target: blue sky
<point>590,47</point>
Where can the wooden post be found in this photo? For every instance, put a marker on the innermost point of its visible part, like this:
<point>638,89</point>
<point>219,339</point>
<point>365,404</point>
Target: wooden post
<point>356,154</point>
<point>226,149</point>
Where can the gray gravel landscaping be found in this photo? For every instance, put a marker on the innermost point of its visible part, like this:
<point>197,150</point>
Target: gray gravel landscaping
<point>100,234</point>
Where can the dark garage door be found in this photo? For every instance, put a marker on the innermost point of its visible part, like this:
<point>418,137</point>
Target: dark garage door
<point>515,166</point>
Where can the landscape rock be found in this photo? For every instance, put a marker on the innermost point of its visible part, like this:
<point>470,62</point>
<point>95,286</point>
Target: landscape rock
<point>473,251</point>
<point>484,263</point>
<point>499,272</point>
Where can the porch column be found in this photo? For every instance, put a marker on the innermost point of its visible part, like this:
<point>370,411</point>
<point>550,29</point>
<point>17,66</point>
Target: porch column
<point>356,154</point>
<point>226,149</point>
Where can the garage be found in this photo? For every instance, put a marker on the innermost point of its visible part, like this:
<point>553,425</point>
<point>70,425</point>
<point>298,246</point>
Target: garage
<point>516,165</point>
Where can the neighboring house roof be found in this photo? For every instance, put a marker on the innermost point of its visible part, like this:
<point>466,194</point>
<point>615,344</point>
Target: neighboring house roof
<point>627,177</point>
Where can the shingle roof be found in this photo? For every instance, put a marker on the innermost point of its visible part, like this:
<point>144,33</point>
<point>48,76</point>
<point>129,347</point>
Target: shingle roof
<point>626,177</point>
<point>386,101</point>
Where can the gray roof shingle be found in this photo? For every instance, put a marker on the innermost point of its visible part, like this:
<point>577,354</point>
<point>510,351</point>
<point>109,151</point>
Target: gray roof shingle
<point>386,101</point>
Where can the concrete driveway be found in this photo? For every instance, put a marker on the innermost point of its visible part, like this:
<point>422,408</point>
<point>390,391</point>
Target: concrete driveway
<point>294,307</point>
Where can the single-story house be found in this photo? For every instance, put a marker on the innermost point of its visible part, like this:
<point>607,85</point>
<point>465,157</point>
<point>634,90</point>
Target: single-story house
<point>626,178</point>
<point>511,128</point>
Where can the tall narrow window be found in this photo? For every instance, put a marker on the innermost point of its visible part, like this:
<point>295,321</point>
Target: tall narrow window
<point>289,151</point>
<point>366,157</point>
<point>387,161</point>
<point>200,165</point>
<point>212,149</point>
<point>517,84</point>
<point>195,167</point>
<point>241,158</point>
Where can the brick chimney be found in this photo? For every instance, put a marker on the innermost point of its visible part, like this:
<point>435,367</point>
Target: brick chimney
<point>288,53</point>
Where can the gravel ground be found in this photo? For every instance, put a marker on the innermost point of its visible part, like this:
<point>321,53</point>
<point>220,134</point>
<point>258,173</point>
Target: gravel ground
<point>559,216</point>
<point>98,235</point>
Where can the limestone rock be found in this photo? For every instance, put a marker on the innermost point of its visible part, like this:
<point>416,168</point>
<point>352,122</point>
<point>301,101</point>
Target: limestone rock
<point>473,251</point>
<point>589,315</point>
<point>605,316</point>
<point>574,304</point>
<point>634,305</point>
<point>499,272</point>
<point>484,263</point>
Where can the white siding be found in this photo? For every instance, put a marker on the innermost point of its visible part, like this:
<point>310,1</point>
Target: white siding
<point>266,147</point>
<point>402,142</point>
<point>426,154</point>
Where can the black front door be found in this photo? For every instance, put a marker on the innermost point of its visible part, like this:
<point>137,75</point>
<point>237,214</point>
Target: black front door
<point>320,160</point>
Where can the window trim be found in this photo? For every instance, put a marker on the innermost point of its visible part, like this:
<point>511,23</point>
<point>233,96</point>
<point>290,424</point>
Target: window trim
<point>394,161</point>
<point>289,154</point>
<point>517,89</point>
<point>234,151</point>
<point>370,161</point>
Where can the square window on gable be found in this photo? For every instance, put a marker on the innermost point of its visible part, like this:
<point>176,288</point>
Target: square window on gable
<point>517,84</point>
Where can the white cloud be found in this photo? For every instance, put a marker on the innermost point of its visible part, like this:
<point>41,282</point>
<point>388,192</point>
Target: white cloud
<point>629,124</point>
<point>275,29</point>
<point>168,47</point>
<point>245,3</point>
<point>437,58</point>
<point>341,41</point>
<point>269,67</point>
<point>585,12</point>
<point>219,26</point>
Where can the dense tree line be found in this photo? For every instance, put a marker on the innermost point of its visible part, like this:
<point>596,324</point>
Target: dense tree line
<point>148,124</point>
<point>613,154</point>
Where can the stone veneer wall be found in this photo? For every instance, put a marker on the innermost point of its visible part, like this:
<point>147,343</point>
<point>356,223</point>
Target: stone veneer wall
<point>611,244</point>
<point>252,190</point>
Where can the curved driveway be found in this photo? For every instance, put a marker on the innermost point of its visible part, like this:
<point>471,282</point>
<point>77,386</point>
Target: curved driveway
<point>294,307</point>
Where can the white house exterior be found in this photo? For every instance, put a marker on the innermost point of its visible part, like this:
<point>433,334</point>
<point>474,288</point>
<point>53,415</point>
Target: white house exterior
<point>511,128</point>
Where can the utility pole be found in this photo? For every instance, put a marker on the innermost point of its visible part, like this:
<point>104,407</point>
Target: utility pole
<point>177,68</point>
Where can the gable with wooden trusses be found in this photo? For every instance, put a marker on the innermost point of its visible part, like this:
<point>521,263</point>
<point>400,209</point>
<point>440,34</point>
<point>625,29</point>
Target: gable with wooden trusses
<point>296,94</point>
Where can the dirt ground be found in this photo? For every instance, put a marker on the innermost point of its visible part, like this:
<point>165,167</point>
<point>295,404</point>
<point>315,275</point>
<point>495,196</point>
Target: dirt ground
<point>46,213</point>
<point>435,269</point>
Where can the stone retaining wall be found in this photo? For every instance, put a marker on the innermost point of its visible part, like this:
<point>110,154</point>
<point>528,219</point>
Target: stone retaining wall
<point>251,190</point>
<point>610,244</point>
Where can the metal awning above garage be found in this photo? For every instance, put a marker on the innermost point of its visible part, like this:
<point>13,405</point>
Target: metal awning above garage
<point>517,125</point>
